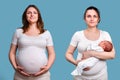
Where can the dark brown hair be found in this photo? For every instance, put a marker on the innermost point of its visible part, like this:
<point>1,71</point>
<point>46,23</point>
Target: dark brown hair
<point>94,8</point>
<point>40,24</point>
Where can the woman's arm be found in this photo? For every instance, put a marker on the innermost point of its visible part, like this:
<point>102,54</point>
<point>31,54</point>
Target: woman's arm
<point>100,55</point>
<point>69,55</point>
<point>51,56</point>
<point>12,58</point>
<point>12,55</point>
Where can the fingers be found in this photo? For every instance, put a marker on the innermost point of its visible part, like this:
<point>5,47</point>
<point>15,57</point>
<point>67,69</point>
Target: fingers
<point>21,71</point>
<point>86,54</point>
<point>77,61</point>
<point>19,68</point>
<point>43,70</point>
<point>24,73</point>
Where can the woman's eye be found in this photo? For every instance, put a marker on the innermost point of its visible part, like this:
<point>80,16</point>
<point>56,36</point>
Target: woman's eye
<point>28,12</point>
<point>35,13</point>
<point>88,16</point>
<point>95,16</point>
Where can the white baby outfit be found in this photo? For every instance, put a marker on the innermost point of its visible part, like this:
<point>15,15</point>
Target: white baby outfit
<point>90,62</point>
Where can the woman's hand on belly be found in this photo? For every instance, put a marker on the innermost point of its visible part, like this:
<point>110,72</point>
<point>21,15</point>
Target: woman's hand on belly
<point>21,71</point>
<point>43,70</point>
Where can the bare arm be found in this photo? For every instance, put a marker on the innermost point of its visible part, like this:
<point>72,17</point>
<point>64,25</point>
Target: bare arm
<point>51,56</point>
<point>100,55</point>
<point>12,58</point>
<point>12,55</point>
<point>69,55</point>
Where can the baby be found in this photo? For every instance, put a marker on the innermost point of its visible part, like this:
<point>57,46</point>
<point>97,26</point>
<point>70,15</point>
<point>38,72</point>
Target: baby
<point>90,62</point>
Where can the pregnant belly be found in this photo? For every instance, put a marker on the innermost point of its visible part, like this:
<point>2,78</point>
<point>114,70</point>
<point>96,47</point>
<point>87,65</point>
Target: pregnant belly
<point>32,59</point>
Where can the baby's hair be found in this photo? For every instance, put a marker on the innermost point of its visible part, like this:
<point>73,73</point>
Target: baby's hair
<point>108,46</point>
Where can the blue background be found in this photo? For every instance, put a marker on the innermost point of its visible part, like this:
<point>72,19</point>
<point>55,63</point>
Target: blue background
<point>62,18</point>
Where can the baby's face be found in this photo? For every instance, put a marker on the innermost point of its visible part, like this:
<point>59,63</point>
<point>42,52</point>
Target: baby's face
<point>102,44</point>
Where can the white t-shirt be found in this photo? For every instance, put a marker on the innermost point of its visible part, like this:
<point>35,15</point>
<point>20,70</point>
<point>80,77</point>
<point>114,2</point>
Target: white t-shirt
<point>32,50</point>
<point>81,42</point>
<point>89,62</point>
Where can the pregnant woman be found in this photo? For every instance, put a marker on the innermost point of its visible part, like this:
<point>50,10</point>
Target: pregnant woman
<point>31,41</point>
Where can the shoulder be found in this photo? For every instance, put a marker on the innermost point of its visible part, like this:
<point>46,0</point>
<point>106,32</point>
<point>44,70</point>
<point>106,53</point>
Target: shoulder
<point>46,32</point>
<point>105,35</point>
<point>78,35</point>
<point>104,32</point>
<point>78,32</point>
<point>19,30</point>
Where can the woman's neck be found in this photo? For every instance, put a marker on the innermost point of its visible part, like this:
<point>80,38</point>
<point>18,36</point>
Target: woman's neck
<point>92,30</point>
<point>33,26</point>
<point>92,34</point>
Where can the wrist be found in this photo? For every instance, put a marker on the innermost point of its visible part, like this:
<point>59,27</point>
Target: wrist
<point>76,63</point>
<point>48,67</point>
<point>92,53</point>
<point>15,68</point>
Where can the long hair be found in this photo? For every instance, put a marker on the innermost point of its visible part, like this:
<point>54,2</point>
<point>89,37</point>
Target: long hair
<point>40,24</point>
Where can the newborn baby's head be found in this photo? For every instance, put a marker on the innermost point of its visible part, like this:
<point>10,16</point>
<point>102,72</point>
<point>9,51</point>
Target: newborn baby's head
<point>106,45</point>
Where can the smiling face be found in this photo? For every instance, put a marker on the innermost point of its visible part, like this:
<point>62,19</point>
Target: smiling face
<point>32,15</point>
<point>91,18</point>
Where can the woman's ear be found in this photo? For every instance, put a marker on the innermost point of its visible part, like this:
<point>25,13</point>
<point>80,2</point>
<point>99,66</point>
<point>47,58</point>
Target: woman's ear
<point>99,20</point>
